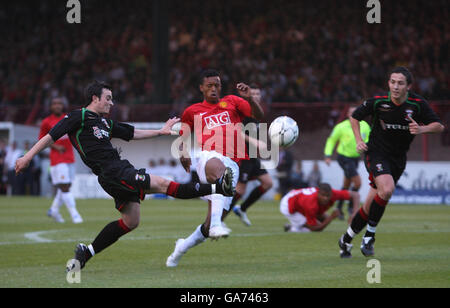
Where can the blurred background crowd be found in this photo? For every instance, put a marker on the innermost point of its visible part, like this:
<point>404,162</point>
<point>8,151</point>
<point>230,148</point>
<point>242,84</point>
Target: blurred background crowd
<point>309,58</point>
<point>296,51</point>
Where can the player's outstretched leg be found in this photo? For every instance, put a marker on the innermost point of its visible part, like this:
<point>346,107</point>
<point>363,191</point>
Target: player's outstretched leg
<point>223,186</point>
<point>183,245</point>
<point>110,234</point>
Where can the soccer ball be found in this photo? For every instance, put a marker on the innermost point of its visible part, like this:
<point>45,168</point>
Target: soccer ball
<point>175,130</point>
<point>283,131</point>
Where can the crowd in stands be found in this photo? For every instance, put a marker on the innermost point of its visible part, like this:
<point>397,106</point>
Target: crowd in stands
<point>296,51</point>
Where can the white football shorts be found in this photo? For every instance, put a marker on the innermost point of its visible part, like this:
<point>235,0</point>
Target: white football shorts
<point>62,173</point>
<point>201,159</point>
<point>296,220</point>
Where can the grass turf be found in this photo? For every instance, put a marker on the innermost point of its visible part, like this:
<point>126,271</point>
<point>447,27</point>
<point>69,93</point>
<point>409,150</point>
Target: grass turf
<point>413,247</point>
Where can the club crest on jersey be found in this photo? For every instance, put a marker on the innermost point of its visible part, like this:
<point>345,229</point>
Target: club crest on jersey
<point>379,167</point>
<point>223,104</point>
<point>99,133</point>
<point>217,120</point>
<point>409,113</point>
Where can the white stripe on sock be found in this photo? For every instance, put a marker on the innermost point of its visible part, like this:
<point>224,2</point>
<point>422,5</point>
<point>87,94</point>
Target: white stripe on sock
<point>350,232</point>
<point>91,249</point>
<point>371,229</point>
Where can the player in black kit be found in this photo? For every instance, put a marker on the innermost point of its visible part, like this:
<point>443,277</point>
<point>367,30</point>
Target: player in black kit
<point>395,119</point>
<point>90,133</point>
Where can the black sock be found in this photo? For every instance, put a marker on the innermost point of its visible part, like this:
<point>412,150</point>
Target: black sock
<point>109,235</point>
<point>350,202</point>
<point>235,199</point>
<point>376,212</point>
<point>253,197</point>
<point>204,231</point>
<point>189,190</point>
<point>339,205</point>
<point>358,223</point>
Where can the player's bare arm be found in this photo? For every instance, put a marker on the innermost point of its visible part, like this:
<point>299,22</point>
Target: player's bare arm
<point>140,134</point>
<point>245,92</point>
<point>23,162</point>
<point>256,143</point>
<point>322,225</point>
<point>416,129</point>
<point>361,146</point>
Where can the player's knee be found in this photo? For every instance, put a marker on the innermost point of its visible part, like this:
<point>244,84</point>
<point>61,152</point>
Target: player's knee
<point>385,192</point>
<point>132,223</point>
<point>266,185</point>
<point>214,169</point>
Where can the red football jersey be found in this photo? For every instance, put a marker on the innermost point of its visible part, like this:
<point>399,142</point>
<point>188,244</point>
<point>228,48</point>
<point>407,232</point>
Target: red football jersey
<point>216,125</point>
<point>304,201</point>
<point>55,156</point>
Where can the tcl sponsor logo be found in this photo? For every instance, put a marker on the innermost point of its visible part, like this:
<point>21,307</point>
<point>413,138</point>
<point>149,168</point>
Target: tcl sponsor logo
<point>217,120</point>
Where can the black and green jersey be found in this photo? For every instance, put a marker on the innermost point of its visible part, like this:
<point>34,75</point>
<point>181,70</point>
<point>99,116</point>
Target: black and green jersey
<point>390,124</point>
<point>91,135</point>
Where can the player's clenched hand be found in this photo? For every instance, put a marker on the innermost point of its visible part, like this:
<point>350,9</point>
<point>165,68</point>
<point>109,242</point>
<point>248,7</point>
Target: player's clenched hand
<point>361,147</point>
<point>243,90</point>
<point>186,163</point>
<point>22,164</point>
<point>167,128</point>
<point>414,128</point>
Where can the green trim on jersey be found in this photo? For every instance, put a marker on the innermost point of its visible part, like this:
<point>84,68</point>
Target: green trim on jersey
<point>83,111</point>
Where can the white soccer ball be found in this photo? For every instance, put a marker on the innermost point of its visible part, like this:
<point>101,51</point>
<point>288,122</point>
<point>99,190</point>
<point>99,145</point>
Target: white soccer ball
<point>283,131</point>
<point>175,130</point>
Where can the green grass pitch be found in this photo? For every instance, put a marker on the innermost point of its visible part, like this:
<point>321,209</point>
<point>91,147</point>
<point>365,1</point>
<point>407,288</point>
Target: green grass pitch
<point>413,248</point>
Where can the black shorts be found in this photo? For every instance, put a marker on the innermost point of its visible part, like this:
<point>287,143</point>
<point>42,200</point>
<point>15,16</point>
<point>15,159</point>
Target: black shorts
<point>379,163</point>
<point>349,165</point>
<point>250,169</point>
<point>125,184</point>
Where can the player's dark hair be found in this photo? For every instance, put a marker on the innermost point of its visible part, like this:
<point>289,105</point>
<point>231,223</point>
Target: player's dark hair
<point>95,88</point>
<point>208,73</point>
<point>324,188</point>
<point>402,70</point>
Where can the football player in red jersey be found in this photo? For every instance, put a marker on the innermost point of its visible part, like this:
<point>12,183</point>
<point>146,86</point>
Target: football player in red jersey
<point>61,165</point>
<point>215,123</point>
<point>305,208</point>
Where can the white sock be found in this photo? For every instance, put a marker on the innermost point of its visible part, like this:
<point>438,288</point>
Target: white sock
<point>193,240</point>
<point>216,212</point>
<point>69,200</point>
<point>57,202</point>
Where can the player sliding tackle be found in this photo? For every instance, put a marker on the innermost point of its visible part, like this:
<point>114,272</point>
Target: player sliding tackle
<point>90,133</point>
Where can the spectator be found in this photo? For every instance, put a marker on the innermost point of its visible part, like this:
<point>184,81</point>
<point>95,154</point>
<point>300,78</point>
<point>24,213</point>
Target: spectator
<point>315,176</point>
<point>12,154</point>
<point>284,171</point>
<point>3,177</point>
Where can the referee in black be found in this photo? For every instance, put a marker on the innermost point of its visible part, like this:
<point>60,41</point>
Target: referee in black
<point>395,119</point>
<point>90,133</point>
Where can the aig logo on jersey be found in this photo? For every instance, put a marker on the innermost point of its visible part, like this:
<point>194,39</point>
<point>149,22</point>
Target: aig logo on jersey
<point>217,120</point>
<point>99,133</point>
